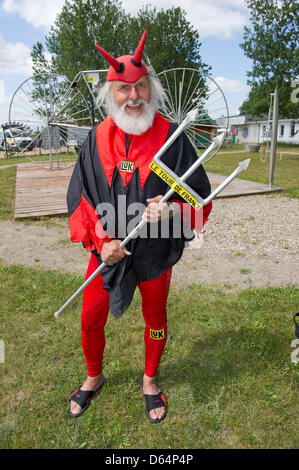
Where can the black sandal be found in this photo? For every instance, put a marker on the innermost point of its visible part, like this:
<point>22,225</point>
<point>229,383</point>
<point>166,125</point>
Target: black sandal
<point>83,399</point>
<point>152,402</point>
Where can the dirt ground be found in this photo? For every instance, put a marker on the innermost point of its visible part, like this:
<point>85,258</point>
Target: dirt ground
<point>248,241</point>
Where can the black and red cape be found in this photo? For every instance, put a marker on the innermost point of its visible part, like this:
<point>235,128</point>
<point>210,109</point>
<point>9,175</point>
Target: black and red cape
<point>98,178</point>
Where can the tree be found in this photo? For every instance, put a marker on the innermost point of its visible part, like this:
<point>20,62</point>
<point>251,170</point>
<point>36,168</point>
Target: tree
<point>39,59</point>
<point>173,41</point>
<point>272,45</point>
<point>81,24</point>
<point>71,41</point>
<point>78,27</point>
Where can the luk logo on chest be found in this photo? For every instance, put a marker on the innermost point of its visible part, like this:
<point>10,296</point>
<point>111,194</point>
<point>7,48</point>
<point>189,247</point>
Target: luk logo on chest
<point>127,167</point>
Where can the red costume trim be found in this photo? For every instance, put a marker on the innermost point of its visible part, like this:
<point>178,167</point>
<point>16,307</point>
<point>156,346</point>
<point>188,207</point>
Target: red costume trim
<point>86,227</point>
<point>191,217</point>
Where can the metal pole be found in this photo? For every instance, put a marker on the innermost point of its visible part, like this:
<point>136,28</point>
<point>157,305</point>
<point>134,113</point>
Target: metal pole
<point>274,138</point>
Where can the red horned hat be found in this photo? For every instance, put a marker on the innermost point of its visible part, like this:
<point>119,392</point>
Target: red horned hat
<point>126,68</point>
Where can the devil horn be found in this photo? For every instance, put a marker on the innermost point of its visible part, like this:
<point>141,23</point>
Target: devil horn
<point>139,51</point>
<point>115,64</point>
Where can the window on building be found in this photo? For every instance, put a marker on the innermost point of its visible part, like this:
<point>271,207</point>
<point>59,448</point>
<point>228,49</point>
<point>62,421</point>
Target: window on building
<point>264,131</point>
<point>245,132</point>
<point>281,130</point>
<point>292,129</point>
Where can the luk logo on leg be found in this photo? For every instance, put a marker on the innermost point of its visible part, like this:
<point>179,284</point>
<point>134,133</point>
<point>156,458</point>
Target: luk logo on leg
<point>157,334</point>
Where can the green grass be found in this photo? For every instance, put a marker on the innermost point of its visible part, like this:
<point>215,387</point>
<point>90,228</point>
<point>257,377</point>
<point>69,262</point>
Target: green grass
<point>12,160</point>
<point>7,192</point>
<point>226,370</point>
<point>285,175</point>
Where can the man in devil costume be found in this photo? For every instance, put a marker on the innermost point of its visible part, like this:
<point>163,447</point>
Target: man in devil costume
<point>113,172</point>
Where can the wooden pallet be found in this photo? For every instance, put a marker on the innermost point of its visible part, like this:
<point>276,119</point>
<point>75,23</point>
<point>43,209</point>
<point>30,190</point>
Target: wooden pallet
<point>40,192</point>
<point>239,187</point>
<point>287,153</point>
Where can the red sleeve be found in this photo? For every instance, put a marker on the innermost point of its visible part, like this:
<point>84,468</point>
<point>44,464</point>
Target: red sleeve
<point>196,222</point>
<point>85,227</point>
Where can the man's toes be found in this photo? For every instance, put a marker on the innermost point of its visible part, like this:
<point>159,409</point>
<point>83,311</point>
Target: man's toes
<point>75,408</point>
<point>153,415</point>
<point>161,412</point>
<point>157,413</point>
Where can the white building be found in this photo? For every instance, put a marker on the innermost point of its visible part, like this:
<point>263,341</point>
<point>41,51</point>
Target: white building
<point>247,130</point>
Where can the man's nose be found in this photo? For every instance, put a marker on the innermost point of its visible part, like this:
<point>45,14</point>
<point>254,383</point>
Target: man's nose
<point>133,93</point>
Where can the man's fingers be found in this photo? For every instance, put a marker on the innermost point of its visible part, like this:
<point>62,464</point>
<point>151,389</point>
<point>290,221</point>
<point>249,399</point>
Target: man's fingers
<point>112,253</point>
<point>155,199</point>
<point>151,217</point>
<point>124,249</point>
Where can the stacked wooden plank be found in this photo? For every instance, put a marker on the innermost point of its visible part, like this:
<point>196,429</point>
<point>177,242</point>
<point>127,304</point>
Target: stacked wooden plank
<point>40,192</point>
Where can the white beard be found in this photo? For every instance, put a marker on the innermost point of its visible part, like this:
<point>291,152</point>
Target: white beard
<point>133,125</point>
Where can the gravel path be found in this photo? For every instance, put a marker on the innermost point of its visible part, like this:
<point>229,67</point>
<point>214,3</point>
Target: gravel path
<point>249,241</point>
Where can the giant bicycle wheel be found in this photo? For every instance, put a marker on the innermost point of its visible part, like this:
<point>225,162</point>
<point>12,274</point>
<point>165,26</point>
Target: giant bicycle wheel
<point>187,88</point>
<point>49,119</point>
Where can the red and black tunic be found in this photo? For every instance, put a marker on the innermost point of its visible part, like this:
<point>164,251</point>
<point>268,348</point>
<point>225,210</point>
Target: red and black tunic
<point>98,179</point>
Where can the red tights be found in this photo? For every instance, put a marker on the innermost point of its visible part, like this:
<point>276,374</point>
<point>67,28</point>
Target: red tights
<point>95,312</point>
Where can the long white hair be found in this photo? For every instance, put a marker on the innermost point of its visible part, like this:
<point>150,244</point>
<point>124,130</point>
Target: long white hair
<point>128,124</point>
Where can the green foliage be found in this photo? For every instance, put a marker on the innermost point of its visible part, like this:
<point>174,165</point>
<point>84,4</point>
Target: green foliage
<point>40,62</point>
<point>78,27</point>
<point>258,101</point>
<point>172,40</point>
<point>272,45</point>
<point>81,24</point>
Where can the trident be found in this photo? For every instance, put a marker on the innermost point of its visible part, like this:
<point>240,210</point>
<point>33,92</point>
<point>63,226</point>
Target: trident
<point>177,184</point>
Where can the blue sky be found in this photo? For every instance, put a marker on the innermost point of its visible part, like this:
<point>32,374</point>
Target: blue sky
<point>219,22</point>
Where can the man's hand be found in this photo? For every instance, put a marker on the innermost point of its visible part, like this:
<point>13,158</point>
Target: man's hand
<point>112,253</point>
<point>156,212</point>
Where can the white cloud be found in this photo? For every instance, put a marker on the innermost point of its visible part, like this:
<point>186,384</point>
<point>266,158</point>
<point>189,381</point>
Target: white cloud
<point>38,13</point>
<point>213,18</point>
<point>229,85</point>
<point>14,58</point>
<point>235,92</point>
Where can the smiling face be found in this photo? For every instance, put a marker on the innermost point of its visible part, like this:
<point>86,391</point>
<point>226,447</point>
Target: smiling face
<point>132,95</point>
<point>132,106</point>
